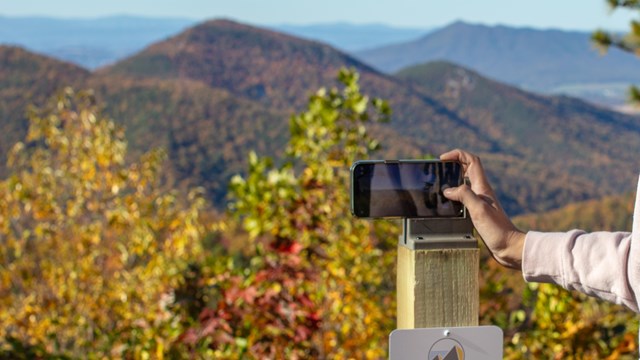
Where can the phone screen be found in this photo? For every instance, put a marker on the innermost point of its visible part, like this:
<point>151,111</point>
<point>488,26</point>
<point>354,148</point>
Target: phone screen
<point>404,189</point>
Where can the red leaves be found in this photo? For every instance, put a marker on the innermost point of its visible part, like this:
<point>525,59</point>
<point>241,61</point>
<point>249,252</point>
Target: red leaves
<point>273,309</point>
<point>233,295</point>
<point>287,246</point>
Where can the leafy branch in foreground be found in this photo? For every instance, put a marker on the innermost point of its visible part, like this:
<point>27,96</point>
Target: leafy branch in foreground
<point>629,42</point>
<point>298,220</point>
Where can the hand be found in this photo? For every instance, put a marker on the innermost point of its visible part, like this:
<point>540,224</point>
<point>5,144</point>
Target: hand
<point>502,238</point>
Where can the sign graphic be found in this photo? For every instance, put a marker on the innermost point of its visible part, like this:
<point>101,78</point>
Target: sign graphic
<point>454,343</point>
<point>446,349</point>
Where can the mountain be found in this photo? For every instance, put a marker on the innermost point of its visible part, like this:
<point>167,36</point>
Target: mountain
<point>206,132</point>
<point>208,128</point>
<point>28,78</point>
<point>280,71</point>
<point>202,129</point>
<point>611,213</point>
<point>219,89</point>
<point>250,62</point>
<point>88,42</point>
<point>571,149</point>
<point>540,60</point>
<point>548,61</point>
<point>351,37</point>
<point>92,43</point>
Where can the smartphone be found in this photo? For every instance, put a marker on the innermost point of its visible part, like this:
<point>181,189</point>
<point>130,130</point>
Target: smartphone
<point>405,189</point>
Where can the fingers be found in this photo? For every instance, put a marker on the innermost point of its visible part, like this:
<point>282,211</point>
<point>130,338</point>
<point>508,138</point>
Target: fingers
<point>465,195</point>
<point>502,238</point>
<point>452,155</point>
<point>473,169</point>
<point>467,160</point>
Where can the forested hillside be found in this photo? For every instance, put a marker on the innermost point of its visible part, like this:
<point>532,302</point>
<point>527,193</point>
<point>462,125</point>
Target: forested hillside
<point>26,78</point>
<point>208,93</point>
<point>563,147</point>
<point>611,213</point>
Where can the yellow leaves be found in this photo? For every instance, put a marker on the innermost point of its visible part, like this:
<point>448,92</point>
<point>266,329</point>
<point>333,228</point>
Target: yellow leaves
<point>571,328</point>
<point>345,329</point>
<point>73,208</point>
<point>276,287</point>
<point>87,170</point>
<point>567,325</point>
<point>89,245</point>
<point>16,150</point>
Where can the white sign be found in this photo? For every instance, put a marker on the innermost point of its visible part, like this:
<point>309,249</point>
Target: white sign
<point>452,343</point>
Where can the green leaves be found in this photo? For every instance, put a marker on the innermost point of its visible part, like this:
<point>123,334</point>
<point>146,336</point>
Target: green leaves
<point>298,220</point>
<point>629,42</point>
<point>336,119</point>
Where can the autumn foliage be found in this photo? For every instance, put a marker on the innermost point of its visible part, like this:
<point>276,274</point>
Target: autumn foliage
<point>99,259</point>
<point>318,281</point>
<point>91,247</point>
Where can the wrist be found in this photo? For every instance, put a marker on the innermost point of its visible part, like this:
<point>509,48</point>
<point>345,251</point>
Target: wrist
<point>511,256</point>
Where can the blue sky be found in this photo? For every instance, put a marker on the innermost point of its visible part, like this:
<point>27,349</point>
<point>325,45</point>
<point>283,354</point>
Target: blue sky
<point>560,14</point>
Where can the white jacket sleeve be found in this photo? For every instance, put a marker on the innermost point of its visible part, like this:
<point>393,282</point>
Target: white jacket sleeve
<point>601,264</point>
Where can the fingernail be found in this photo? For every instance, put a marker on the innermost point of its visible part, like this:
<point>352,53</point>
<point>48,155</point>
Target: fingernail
<point>448,191</point>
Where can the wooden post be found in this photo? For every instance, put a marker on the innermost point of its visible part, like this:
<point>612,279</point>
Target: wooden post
<point>437,281</point>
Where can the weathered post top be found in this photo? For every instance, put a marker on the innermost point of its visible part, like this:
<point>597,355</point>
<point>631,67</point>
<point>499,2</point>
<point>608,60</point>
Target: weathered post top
<point>437,280</point>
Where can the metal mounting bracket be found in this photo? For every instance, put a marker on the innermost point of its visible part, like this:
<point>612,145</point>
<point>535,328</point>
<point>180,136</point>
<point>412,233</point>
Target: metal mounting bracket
<point>438,233</point>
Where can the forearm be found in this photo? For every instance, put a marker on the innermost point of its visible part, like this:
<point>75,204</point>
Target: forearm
<point>599,264</point>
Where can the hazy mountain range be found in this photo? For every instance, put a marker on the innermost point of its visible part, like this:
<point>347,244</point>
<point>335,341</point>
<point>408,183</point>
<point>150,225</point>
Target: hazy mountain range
<point>219,89</point>
<point>92,43</point>
<point>88,42</point>
<point>546,61</point>
<point>353,38</point>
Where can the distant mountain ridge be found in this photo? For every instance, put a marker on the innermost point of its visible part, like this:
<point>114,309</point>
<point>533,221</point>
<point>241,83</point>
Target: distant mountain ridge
<point>213,92</point>
<point>350,37</point>
<point>230,55</point>
<point>96,42</point>
<point>540,60</point>
<point>546,61</point>
<point>90,43</point>
<point>553,139</point>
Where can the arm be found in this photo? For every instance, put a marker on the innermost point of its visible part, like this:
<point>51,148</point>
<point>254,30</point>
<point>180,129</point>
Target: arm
<point>601,264</point>
<point>503,239</point>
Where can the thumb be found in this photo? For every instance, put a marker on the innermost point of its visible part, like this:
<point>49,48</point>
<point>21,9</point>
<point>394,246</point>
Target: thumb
<point>465,195</point>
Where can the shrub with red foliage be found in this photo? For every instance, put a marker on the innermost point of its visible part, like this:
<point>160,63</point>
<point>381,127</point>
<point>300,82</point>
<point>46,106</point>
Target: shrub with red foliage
<point>271,312</point>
